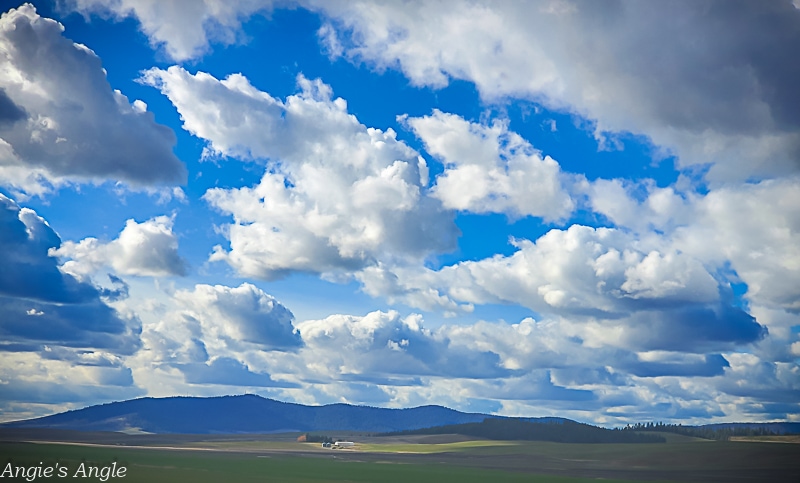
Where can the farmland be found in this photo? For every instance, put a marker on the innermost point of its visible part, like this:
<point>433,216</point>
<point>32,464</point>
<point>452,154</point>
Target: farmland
<point>235,458</point>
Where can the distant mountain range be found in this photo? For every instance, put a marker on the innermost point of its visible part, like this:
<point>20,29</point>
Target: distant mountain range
<point>255,414</point>
<point>243,414</point>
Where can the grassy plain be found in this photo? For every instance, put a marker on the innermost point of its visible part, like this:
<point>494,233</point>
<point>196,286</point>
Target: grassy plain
<point>149,466</point>
<point>278,458</point>
<point>781,438</point>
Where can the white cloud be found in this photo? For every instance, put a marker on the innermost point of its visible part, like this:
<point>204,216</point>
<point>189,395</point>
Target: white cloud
<point>337,195</point>
<point>489,169</point>
<point>212,340</point>
<point>382,344</point>
<point>747,233</point>
<point>581,270</point>
<point>44,384</point>
<point>755,228</point>
<point>215,339</point>
<point>149,249</point>
<point>184,28</point>
<point>662,209</point>
<point>620,290</point>
<point>752,229</point>
<point>706,94</point>
<point>61,120</point>
<point>235,317</point>
<point>719,90</point>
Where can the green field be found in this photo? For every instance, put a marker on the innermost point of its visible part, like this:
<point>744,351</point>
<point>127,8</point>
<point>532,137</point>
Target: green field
<point>432,448</point>
<point>149,466</point>
<point>179,458</point>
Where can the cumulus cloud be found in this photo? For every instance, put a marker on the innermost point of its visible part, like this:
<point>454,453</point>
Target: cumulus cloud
<point>214,338</point>
<point>532,367</point>
<point>337,195</point>
<point>489,169</point>
<point>184,28</point>
<point>719,90</point>
<point>93,134</point>
<point>149,248</point>
<point>658,364</point>
<point>567,349</point>
<point>625,291</point>
<point>755,228</point>
<point>229,372</point>
<point>764,383</point>
<point>662,209</point>
<point>237,315</point>
<point>40,304</point>
<point>217,336</point>
<point>581,270</point>
<point>40,383</point>
<point>752,229</point>
<point>748,233</point>
<point>385,344</point>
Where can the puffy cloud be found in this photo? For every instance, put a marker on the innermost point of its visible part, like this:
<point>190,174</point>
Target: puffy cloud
<point>638,294</point>
<point>384,344</point>
<point>229,372</point>
<point>764,384</point>
<point>752,229</point>
<point>216,336</point>
<point>657,364</point>
<point>746,233</point>
<point>184,27</point>
<point>713,86</point>
<point>491,170</point>
<point>92,134</point>
<point>42,305</point>
<point>337,195</point>
<point>240,315</point>
<point>563,372</point>
<point>149,248</point>
<point>535,387</point>
<point>581,270</point>
<point>57,379</point>
<point>719,90</point>
<point>662,209</point>
<point>567,349</point>
<point>755,228</point>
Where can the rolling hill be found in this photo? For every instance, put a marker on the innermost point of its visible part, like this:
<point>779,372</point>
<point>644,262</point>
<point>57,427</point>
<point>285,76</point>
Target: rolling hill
<point>242,414</point>
<point>254,414</point>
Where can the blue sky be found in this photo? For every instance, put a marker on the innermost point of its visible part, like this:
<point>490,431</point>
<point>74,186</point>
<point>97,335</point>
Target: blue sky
<point>582,209</point>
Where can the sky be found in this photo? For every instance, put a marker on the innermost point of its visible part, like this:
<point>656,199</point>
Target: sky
<point>585,209</point>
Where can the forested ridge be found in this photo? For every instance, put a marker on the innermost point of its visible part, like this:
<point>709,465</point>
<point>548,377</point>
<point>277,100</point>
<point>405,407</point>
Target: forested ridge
<point>515,429</point>
<point>714,432</point>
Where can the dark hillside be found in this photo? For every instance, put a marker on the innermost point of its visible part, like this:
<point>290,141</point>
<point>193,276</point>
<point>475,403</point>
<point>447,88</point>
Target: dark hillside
<point>566,431</point>
<point>719,431</point>
<point>242,414</point>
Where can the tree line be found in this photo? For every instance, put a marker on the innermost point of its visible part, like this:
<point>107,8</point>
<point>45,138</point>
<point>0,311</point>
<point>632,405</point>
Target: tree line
<point>704,432</point>
<point>511,429</point>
